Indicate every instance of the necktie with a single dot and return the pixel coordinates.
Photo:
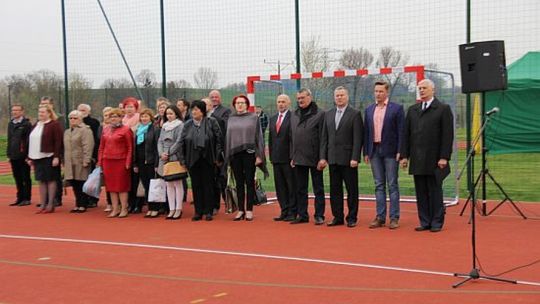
(424, 106)
(278, 124)
(338, 118)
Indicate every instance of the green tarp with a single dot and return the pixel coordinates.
(516, 128)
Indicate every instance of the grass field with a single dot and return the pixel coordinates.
(517, 173)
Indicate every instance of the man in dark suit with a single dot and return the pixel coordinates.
(306, 130)
(94, 124)
(341, 148)
(221, 114)
(280, 157)
(427, 142)
(19, 129)
(382, 137)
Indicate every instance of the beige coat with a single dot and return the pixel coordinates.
(78, 147)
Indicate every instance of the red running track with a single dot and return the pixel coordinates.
(213, 262)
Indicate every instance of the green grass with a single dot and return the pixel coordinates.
(517, 173)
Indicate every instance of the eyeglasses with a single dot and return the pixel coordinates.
(240, 102)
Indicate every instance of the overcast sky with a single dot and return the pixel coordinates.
(235, 37)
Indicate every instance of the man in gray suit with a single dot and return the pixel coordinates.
(341, 148)
(306, 130)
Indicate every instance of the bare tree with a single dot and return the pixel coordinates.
(117, 83)
(146, 78)
(79, 90)
(205, 78)
(315, 58)
(179, 84)
(239, 87)
(354, 59)
(391, 57)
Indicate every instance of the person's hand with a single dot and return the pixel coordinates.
(219, 163)
(29, 162)
(85, 165)
(442, 163)
(127, 167)
(292, 163)
(136, 169)
(164, 156)
(404, 163)
(398, 156)
(366, 160)
(322, 164)
(354, 163)
(258, 161)
(55, 162)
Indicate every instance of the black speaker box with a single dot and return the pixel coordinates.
(483, 66)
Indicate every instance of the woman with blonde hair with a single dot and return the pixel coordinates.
(78, 148)
(115, 157)
(44, 154)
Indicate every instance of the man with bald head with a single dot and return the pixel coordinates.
(280, 157)
(427, 145)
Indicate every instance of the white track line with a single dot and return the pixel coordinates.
(242, 254)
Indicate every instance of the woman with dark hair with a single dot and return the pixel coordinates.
(169, 150)
(244, 150)
(145, 157)
(114, 157)
(78, 150)
(201, 149)
(45, 147)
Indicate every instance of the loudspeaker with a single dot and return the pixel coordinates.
(483, 66)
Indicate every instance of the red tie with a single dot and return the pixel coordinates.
(278, 124)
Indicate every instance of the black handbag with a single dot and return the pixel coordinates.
(231, 197)
(260, 194)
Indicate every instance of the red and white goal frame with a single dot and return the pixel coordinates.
(251, 80)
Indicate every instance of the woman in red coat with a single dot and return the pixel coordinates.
(114, 157)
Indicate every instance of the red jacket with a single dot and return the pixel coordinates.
(52, 138)
(116, 143)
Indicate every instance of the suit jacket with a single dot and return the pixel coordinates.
(17, 139)
(151, 156)
(427, 137)
(222, 114)
(391, 132)
(306, 136)
(341, 146)
(52, 139)
(279, 142)
(116, 143)
(213, 150)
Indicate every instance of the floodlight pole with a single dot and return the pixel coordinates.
(297, 25)
(163, 59)
(66, 78)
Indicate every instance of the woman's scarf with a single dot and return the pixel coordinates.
(141, 132)
(169, 125)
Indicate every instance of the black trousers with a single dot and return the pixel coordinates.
(202, 179)
(146, 173)
(340, 175)
(21, 174)
(81, 198)
(243, 167)
(219, 185)
(133, 200)
(429, 201)
(285, 183)
(302, 178)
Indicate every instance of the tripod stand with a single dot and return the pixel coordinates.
(485, 171)
(474, 274)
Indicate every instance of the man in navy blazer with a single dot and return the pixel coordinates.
(382, 134)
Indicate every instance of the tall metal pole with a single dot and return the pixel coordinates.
(9, 98)
(66, 78)
(163, 66)
(468, 112)
(297, 25)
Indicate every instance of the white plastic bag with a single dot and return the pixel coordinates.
(92, 186)
(156, 191)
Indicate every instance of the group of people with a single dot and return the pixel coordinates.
(133, 146)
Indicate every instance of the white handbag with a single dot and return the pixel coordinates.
(156, 191)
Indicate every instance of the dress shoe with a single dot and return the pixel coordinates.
(108, 208)
(177, 215)
(435, 229)
(289, 218)
(92, 205)
(24, 203)
(123, 214)
(76, 210)
(209, 217)
(279, 218)
(249, 216)
(196, 218)
(335, 222)
(14, 204)
(319, 220)
(215, 212)
(351, 224)
(40, 211)
(239, 216)
(299, 221)
(82, 210)
(421, 228)
(148, 214)
(394, 224)
(376, 223)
